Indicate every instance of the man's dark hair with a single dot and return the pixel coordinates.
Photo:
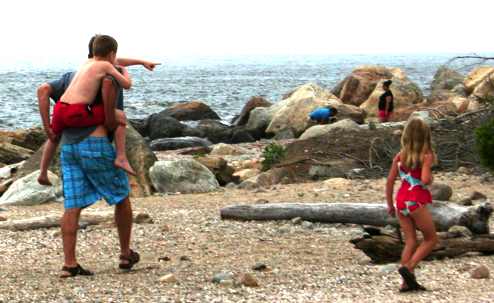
(103, 45)
(90, 47)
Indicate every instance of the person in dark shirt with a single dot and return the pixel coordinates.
(386, 102)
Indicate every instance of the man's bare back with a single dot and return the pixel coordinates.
(87, 81)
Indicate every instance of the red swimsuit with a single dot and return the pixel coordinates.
(76, 115)
(412, 193)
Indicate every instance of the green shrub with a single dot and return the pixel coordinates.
(485, 144)
(272, 154)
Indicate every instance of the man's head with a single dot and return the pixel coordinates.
(104, 46)
(387, 84)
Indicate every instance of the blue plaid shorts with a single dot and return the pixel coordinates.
(88, 174)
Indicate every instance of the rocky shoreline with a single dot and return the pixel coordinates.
(189, 165)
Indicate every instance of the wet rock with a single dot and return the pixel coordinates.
(191, 111)
(441, 191)
(178, 143)
(183, 175)
(480, 272)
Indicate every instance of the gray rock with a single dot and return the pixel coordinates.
(222, 276)
(178, 143)
(459, 231)
(307, 225)
(296, 221)
(284, 134)
(27, 191)
(441, 191)
(193, 110)
(320, 130)
(259, 119)
(183, 175)
(161, 125)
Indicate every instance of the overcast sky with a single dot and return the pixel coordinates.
(59, 30)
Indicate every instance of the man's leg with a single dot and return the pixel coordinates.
(70, 225)
(49, 150)
(123, 219)
(121, 161)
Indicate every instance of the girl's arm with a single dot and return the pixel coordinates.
(426, 175)
(122, 78)
(129, 61)
(390, 183)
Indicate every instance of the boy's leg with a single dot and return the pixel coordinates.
(423, 220)
(49, 150)
(121, 161)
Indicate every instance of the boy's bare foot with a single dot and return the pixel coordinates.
(43, 180)
(125, 165)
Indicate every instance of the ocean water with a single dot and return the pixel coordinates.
(225, 84)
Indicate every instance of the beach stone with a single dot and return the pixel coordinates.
(405, 93)
(222, 276)
(2, 218)
(161, 125)
(182, 175)
(220, 168)
(473, 105)
(178, 143)
(477, 196)
(11, 154)
(307, 225)
(245, 174)
(223, 149)
(441, 191)
(141, 158)
(480, 272)
(253, 103)
(461, 103)
(459, 231)
(260, 267)
(170, 278)
(294, 111)
(191, 111)
(27, 191)
(143, 218)
(321, 130)
(248, 280)
(476, 77)
(296, 221)
(388, 268)
(463, 170)
(259, 119)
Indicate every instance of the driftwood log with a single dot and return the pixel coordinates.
(446, 215)
(385, 247)
(90, 218)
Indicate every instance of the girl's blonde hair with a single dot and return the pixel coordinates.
(416, 141)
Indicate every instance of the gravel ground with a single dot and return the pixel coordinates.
(306, 263)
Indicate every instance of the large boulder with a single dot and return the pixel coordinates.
(445, 79)
(178, 143)
(27, 191)
(161, 125)
(403, 113)
(141, 158)
(485, 89)
(405, 93)
(476, 76)
(183, 175)
(461, 103)
(220, 168)
(191, 111)
(10, 153)
(31, 138)
(320, 130)
(348, 111)
(356, 88)
(259, 119)
(294, 111)
(254, 102)
(213, 130)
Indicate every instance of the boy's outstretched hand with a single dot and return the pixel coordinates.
(150, 65)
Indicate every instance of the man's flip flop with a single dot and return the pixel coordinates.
(132, 259)
(410, 280)
(75, 271)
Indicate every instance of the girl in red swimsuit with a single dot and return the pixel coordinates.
(413, 165)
